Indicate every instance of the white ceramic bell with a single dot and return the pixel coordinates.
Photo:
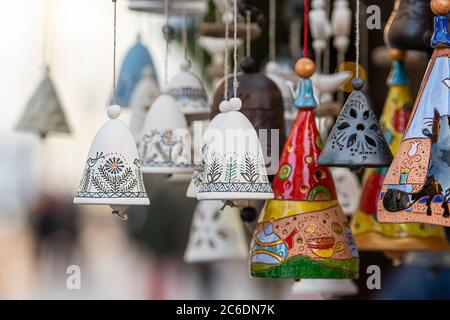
(215, 235)
(192, 190)
(234, 166)
(348, 189)
(188, 91)
(272, 72)
(326, 287)
(142, 98)
(165, 145)
(44, 112)
(112, 174)
(177, 7)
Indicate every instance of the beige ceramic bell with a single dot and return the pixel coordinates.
(165, 145)
(112, 174)
(234, 167)
(142, 98)
(216, 234)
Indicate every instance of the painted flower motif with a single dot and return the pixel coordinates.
(168, 139)
(114, 165)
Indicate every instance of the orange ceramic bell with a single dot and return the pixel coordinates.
(370, 235)
(303, 233)
(417, 185)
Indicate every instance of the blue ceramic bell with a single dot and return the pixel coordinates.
(136, 59)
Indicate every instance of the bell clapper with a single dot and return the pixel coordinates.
(120, 211)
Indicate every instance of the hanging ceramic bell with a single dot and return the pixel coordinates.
(136, 60)
(369, 233)
(262, 102)
(188, 91)
(328, 288)
(112, 174)
(347, 189)
(234, 167)
(177, 7)
(44, 112)
(216, 235)
(410, 26)
(416, 187)
(303, 233)
(165, 145)
(142, 98)
(356, 139)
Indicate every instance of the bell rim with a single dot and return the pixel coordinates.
(112, 201)
(235, 196)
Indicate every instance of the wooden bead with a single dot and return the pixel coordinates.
(397, 54)
(440, 7)
(305, 67)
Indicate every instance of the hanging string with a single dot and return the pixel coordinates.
(248, 34)
(114, 51)
(272, 30)
(226, 64)
(305, 28)
(184, 35)
(357, 35)
(235, 83)
(166, 60)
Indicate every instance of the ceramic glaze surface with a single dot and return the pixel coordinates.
(417, 185)
(369, 233)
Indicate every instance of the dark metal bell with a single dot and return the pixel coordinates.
(410, 26)
(356, 139)
(262, 102)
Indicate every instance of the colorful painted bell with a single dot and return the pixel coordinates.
(165, 144)
(328, 288)
(112, 174)
(44, 112)
(177, 7)
(188, 91)
(273, 74)
(303, 233)
(417, 185)
(369, 234)
(216, 234)
(136, 60)
(142, 98)
(356, 139)
(262, 102)
(234, 166)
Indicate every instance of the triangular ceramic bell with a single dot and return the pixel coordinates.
(216, 235)
(234, 167)
(262, 102)
(273, 74)
(136, 60)
(356, 139)
(303, 233)
(142, 98)
(188, 91)
(165, 145)
(112, 174)
(177, 7)
(370, 235)
(328, 288)
(196, 180)
(44, 112)
(416, 187)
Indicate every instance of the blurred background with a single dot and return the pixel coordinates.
(42, 233)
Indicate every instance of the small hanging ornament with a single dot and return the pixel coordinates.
(137, 59)
(356, 139)
(44, 112)
(164, 145)
(188, 91)
(327, 288)
(370, 235)
(216, 234)
(416, 187)
(177, 7)
(112, 174)
(141, 99)
(303, 233)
